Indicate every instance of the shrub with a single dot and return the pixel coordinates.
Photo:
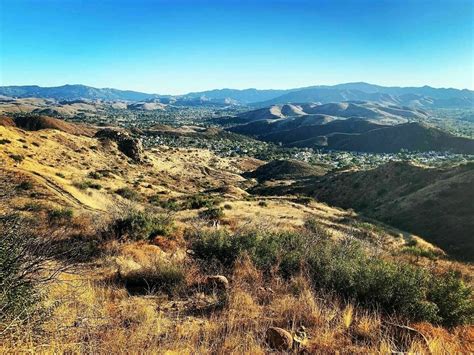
(17, 157)
(32, 207)
(128, 193)
(454, 300)
(159, 276)
(94, 175)
(199, 201)
(304, 200)
(25, 185)
(263, 203)
(213, 213)
(138, 225)
(5, 141)
(82, 185)
(420, 252)
(58, 215)
(346, 268)
(24, 265)
(61, 175)
(170, 204)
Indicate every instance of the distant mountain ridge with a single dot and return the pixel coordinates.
(425, 96)
(74, 92)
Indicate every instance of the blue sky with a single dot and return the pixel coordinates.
(177, 46)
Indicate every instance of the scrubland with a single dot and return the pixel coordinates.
(101, 255)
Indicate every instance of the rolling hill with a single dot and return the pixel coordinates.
(412, 136)
(436, 204)
(353, 126)
(389, 114)
(36, 123)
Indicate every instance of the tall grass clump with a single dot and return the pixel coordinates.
(346, 268)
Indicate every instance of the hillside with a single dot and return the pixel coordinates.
(36, 123)
(434, 203)
(410, 136)
(361, 126)
(173, 254)
(385, 114)
(269, 113)
(285, 170)
(299, 129)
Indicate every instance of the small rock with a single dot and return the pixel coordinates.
(279, 339)
(218, 282)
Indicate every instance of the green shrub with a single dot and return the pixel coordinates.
(61, 175)
(453, 298)
(25, 185)
(160, 276)
(138, 225)
(128, 193)
(345, 268)
(83, 185)
(199, 201)
(212, 213)
(420, 252)
(60, 215)
(94, 175)
(17, 157)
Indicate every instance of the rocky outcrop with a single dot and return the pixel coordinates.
(128, 145)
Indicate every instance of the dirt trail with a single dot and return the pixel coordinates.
(60, 192)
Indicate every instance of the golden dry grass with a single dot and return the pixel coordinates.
(87, 312)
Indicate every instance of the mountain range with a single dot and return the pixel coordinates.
(425, 96)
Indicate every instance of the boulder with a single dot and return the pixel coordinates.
(128, 145)
(279, 339)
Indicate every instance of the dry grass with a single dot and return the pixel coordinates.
(89, 312)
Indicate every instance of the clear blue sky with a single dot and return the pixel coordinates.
(177, 46)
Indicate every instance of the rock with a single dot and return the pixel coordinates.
(218, 282)
(131, 147)
(279, 339)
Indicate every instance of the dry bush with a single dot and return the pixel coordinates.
(27, 263)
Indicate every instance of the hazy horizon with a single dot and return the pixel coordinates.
(227, 88)
(177, 47)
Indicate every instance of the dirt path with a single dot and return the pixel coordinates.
(60, 192)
